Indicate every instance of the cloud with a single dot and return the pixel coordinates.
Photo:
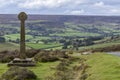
(99, 4)
(104, 8)
(114, 11)
(75, 12)
(4, 2)
(35, 4)
(74, 7)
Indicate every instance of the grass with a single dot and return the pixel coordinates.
(76, 34)
(42, 38)
(9, 26)
(42, 70)
(3, 68)
(103, 66)
(102, 45)
(16, 36)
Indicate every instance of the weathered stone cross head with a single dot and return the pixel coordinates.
(22, 17)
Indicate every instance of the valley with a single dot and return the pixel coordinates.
(60, 31)
(65, 47)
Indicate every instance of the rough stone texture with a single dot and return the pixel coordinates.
(22, 17)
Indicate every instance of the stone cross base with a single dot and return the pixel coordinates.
(28, 62)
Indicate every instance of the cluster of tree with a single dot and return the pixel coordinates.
(115, 37)
(77, 43)
(89, 28)
(18, 40)
(2, 40)
(48, 41)
(96, 38)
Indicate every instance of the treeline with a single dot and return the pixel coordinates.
(2, 40)
(76, 43)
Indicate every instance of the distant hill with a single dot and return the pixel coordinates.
(6, 18)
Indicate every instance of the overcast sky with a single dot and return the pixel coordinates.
(61, 7)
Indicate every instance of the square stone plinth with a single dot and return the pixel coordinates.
(28, 62)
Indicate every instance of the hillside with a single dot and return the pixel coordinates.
(8, 46)
(6, 18)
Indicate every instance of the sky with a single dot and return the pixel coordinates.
(61, 7)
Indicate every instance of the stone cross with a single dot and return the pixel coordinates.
(22, 17)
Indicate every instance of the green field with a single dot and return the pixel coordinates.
(39, 38)
(16, 36)
(76, 34)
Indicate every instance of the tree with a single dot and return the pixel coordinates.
(2, 39)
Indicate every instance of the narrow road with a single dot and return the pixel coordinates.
(114, 53)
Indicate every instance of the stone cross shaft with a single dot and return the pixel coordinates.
(22, 17)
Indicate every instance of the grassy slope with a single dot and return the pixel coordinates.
(42, 70)
(43, 46)
(8, 46)
(3, 68)
(103, 67)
